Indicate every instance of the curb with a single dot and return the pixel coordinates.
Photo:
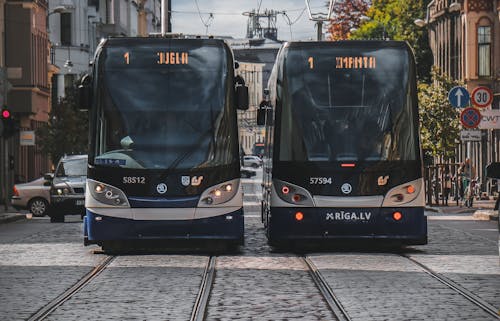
(12, 218)
(486, 215)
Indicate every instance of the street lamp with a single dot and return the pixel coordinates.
(455, 7)
(320, 17)
(57, 9)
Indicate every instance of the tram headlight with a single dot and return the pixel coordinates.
(219, 194)
(293, 194)
(107, 194)
(403, 193)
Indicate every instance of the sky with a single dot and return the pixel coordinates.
(228, 18)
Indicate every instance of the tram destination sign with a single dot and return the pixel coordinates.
(470, 135)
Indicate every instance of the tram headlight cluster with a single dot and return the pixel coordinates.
(293, 194)
(107, 194)
(402, 194)
(219, 194)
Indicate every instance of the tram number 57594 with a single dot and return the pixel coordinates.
(320, 180)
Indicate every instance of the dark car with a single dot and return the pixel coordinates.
(67, 193)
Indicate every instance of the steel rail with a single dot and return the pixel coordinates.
(201, 303)
(457, 288)
(66, 295)
(327, 293)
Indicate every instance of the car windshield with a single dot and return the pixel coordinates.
(74, 167)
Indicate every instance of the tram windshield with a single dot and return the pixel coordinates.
(165, 105)
(348, 104)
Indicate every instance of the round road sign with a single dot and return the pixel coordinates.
(470, 117)
(482, 96)
(458, 97)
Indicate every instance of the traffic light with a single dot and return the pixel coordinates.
(9, 124)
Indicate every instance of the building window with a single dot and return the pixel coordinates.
(66, 29)
(484, 50)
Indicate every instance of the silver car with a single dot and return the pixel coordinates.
(252, 161)
(67, 194)
(33, 196)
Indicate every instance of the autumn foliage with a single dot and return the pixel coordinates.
(346, 16)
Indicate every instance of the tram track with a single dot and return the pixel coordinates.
(331, 299)
(201, 303)
(476, 300)
(66, 295)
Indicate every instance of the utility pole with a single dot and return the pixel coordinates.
(166, 8)
(320, 17)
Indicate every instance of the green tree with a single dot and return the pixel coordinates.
(394, 19)
(67, 129)
(439, 121)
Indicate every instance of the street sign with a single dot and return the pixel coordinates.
(458, 97)
(27, 138)
(470, 117)
(470, 135)
(482, 96)
(490, 119)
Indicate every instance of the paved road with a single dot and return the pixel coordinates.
(40, 260)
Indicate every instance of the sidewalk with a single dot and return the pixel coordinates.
(10, 215)
(481, 209)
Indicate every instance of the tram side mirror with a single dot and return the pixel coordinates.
(85, 93)
(493, 170)
(241, 92)
(242, 97)
(261, 116)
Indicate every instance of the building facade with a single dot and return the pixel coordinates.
(45, 47)
(26, 54)
(464, 37)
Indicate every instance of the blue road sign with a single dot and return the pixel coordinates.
(458, 97)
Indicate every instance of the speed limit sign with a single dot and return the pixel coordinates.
(482, 96)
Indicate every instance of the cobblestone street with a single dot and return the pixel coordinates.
(40, 260)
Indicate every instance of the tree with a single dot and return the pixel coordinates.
(67, 129)
(394, 19)
(439, 121)
(346, 16)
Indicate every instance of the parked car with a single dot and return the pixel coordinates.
(67, 191)
(247, 173)
(252, 161)
(33, 196)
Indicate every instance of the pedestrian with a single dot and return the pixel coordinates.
(447, 184)
(468, 174)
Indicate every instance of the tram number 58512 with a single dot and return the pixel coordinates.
(320, 180)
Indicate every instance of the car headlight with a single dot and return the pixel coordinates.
(219, 194)
(59, 191)
(107, 194)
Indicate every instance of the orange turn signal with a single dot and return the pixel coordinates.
(397, 216)
(299, 216)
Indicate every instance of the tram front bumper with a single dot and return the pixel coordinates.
(99, 228)
(348, 223)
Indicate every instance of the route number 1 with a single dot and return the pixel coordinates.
(311, 62)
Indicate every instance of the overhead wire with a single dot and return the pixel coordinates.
(209, 20)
